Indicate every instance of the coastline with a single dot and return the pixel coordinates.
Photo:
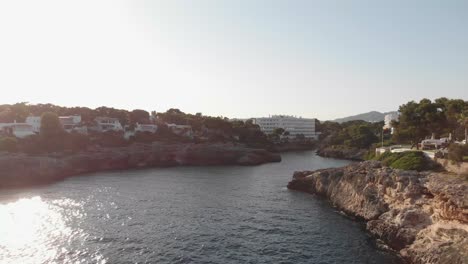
(292, 146)
(353, 154)
(21, 170)
(421, 216)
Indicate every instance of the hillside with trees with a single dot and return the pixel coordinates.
(417, 121)
(353, 134)
(53, 138)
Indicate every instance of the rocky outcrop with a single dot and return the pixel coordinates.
(342, 153)
(23, 170)
(422, 216)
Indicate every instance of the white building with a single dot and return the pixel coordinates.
(146, 128)
(104, 124)
(19, 130)
(294, 125)
(389, 119)
(69, 123)
(73, 124)
(35, 122)
(181, 130)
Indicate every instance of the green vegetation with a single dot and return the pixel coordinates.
(458, 153)
(52, 138)
(352, 134)
(50, 125)
(8, 144)
(413, 160)
(139, 116)
(217, 129)
(417, 121)
(441, 117)
(277, 133)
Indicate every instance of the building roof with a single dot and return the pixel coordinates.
(285, 116)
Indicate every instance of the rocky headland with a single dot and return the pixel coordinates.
(19, 170)
(423, 216)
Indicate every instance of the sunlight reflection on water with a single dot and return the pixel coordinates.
(34, 231)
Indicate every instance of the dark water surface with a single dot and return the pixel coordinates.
(182, 215)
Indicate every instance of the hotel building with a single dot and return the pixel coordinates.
(294, 125)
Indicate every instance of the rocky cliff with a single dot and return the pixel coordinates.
(422, 216)
(23, 170)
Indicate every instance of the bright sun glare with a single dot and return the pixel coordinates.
(35, 231)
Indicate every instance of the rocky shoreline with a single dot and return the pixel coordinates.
(292, 146)
(422, 216)
(342, 153)
(20, 170)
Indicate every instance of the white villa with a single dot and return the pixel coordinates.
(73, 123)
(146, 128)
(294, 125)
(35, 122)
(389, 119)
(104, 124)
(69, 123)
(181, 130)
(19, 130)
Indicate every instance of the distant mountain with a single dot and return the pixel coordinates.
(372, 116)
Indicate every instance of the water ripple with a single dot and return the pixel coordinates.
(182, 215)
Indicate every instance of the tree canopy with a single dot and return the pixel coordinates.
(139, 116)
(419, 120)
(355, 134)
(50, 125)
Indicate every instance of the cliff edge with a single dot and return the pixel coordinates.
(422, 216)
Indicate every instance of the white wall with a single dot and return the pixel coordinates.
(295, 126)
(35, 122)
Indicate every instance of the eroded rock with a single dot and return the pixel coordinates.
(423, 216)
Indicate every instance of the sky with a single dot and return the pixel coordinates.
(243, 58)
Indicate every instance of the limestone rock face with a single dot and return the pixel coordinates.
(23, 170)
(423, 216)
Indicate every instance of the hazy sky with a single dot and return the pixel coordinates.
(239, 58)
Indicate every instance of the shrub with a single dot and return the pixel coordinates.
(144, 137)
(50, 126)
(411, 160)
(388, 158)
(31, 145)
(110, 139)
(8, 144)
(65, 142)
(75, 142)
(457, 152)
(370, 155)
